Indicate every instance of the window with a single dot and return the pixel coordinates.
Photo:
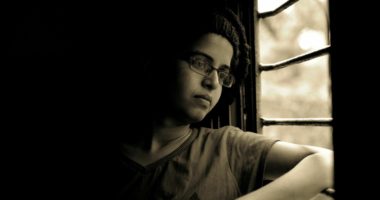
(293, 90)
(298, 94)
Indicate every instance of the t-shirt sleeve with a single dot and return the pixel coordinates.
(246, 152)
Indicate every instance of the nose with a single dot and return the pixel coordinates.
(211, 81)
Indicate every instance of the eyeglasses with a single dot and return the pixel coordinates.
(202, 66)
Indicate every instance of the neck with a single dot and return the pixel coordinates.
(162, 142)
(166, 134)
(169, 128)
(163, 134)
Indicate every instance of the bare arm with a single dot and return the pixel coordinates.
(301, 171)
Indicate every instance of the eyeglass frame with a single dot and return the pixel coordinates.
(191, 60)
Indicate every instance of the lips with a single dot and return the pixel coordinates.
(205, 97)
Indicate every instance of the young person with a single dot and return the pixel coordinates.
(194, 58)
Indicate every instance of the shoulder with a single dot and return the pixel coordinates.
(220, 132)
(231, 134)
(215, 135)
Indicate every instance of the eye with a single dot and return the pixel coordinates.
(225, 76)
(224, 70)
(200, 64)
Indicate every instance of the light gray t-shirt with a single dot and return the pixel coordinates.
(222, 163)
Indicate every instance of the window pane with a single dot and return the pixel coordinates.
(302, 90)
(268, 5)
(311, 135)
(300, 28)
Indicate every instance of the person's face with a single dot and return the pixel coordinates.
(194, 95)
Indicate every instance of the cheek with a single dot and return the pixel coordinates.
(184, 82)
(187, 79)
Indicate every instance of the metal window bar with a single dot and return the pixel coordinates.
(297, 121)
(295, 60)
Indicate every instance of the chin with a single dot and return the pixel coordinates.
(197, 117)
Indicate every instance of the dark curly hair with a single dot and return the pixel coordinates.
(229, 26)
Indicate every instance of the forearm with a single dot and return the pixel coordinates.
(308, 178)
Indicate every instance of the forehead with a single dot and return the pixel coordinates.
(215, 46)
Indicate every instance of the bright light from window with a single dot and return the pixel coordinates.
(311, 39)
(268, 5)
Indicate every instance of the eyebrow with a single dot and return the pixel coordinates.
(208, 57)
